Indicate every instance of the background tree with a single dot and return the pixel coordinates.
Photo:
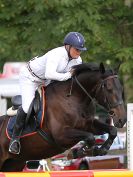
(30, 28)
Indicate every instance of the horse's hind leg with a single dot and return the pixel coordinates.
(1, 164)
(11, 165)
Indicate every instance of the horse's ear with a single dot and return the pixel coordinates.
(116, 69)
(102, 68)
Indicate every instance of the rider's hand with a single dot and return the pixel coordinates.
(72, 71)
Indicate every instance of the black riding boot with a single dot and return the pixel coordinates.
(14, 146)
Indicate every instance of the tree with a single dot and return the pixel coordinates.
(30, 28)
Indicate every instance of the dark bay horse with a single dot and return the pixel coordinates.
(69, 116)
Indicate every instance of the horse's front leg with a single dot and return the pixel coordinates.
(74, 136)
(97, 127)
(111, 130)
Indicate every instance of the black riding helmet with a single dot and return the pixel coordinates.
(75, 40)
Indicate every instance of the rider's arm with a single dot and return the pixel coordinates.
(51, 69)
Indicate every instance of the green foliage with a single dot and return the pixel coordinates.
(31, 27)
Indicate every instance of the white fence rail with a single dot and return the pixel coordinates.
(130, 136)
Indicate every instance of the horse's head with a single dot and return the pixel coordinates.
(109, 94)
(105, 87)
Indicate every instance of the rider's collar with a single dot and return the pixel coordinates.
(68, 47)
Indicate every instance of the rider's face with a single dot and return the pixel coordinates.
(74, 53)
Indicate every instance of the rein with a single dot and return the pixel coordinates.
(93, 100)
(85, 91)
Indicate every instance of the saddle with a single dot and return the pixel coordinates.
(17, 102)
(35, 115)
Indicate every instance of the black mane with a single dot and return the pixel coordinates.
(92, 67)
(85, 66)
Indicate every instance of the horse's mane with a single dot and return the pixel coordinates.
(93, 67)
(85, 66)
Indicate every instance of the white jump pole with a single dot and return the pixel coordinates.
(130, 136)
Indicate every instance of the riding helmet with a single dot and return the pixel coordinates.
(76, 40)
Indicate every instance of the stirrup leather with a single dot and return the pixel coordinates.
(11, 144)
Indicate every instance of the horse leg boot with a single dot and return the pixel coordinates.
(14, 146)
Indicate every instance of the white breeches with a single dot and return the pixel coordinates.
(28, 86)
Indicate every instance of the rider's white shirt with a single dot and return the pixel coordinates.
(54, 65)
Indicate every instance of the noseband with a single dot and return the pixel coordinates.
(101, 85)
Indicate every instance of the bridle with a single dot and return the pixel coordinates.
(96, 89)
(102, 85)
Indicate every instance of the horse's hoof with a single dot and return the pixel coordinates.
(98, 151)
(75, 154)
(95, 151)
(102, 151)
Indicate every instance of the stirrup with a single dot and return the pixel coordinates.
(11, 145)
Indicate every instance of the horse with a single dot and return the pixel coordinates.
(69, 116)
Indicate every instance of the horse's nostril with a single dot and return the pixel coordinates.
(111, 114)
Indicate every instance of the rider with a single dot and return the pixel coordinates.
(54, 65)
